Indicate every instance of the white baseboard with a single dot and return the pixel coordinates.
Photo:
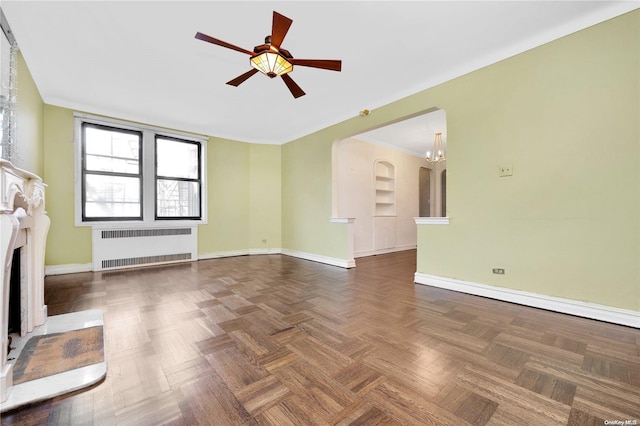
(384, 251)
(265, 251)
(566, 306)
(86, 267)
(364, 253)
(218, 254)
(67, 269)
(243, 252)
(351, 263)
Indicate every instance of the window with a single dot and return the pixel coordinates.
(111, 173)
(177, 178)
(8, 87)
(130, 173)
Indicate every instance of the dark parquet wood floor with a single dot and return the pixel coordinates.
(275, 340)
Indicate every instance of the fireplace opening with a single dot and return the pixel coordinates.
(14, 294)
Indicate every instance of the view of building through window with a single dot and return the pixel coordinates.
(120, 168)
(177, 178)
(112, 173)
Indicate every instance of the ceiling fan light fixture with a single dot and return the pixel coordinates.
(272, 60)
(271, 64)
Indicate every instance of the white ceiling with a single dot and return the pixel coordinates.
(140, 61)
(414, 136)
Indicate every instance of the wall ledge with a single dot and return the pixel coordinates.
(595, 311)
(342, 219)
(431, 220)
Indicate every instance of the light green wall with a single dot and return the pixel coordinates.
(306, 198)
(244, 199)
(228, 197)
(29, 122)
(265, 200)
(567, 223)
(66, 243)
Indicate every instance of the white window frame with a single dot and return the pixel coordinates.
(148, 174)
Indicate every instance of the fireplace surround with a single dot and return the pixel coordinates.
(23, 225)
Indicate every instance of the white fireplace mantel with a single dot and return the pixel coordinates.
(24, 225)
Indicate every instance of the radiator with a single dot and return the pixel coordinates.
(121, 248)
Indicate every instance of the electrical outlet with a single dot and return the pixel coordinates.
(499, 271)
(264, 241)
(506, 170)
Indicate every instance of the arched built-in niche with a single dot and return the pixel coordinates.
(384, 221)
(385, 188)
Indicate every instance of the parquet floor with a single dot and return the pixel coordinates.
(274, 340)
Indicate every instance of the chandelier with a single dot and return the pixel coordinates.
(438, 150)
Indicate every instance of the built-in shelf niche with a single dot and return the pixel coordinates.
(385, 189)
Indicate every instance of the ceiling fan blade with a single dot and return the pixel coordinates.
(279, 29)
(325, 64)
(242, 78)
(295, 90)
(210, 39)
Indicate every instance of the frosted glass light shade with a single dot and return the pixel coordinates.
(271, 64)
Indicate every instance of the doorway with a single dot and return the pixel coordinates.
(424, 189)
(443, 193)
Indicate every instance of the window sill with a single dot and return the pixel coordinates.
(165, 223)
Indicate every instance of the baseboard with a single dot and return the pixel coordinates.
(351, 263)
(87, 267)
(219, 254)
(566, 306)
(254, 251)
(364, 253)
(384, 251)
(67, 269)
(243, 252)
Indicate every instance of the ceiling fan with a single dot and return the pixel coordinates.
(271, 60)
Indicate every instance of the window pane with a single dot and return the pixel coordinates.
(110, 164)
(110, 150)
(177, 198)
(112, 196)
(177, 159)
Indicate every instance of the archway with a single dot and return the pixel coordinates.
(357, 192)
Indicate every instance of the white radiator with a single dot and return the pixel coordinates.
(121, 248)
